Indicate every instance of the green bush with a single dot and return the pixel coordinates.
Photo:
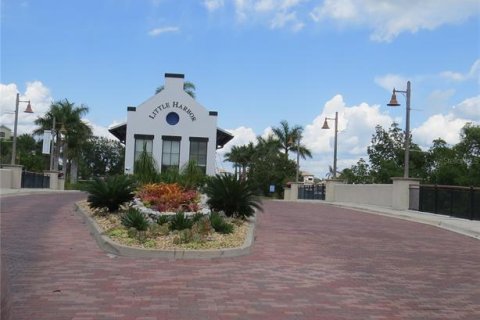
(234, 197)
(134, 219)
(155, 230)
(111, 192)
(219, 224)
(145, 168)
(202, 227)
(180, 222)
(184, 236)
(162, 219)
(197, 217)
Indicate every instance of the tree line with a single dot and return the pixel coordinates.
(443, 164)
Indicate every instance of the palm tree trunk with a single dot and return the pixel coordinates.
(73, 171)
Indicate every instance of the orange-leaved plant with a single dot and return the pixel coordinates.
(168, 197)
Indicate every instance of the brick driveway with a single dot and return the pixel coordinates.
(309, 261)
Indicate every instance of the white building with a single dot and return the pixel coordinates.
(174, 128)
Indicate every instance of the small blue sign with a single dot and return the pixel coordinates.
(272, 188)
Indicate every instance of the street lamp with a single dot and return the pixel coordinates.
(325, 126)
(27, 110)
(394, 103)
(58, 136)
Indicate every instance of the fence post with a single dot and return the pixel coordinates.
(435, 197)
(401, 192)
(472, 203)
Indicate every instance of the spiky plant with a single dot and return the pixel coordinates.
(110, 192)
(180, 222)
(219, 224)
(134, 219)
(236, 198)
(145, 168)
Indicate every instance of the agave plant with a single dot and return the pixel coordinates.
(134, 219)
(110, 193)
(236, 198)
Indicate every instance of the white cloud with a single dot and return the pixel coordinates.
(391, 81)
(473, 73)
(437, 126)
(158, 31)
(388, 19)
(213, 5)
(40, 100)
(99, 130)
(241, 136)
(356, 125)
(282, 19)
(468, 108)
(280, 14)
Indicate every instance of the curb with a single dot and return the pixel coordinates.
(439, 223)
(108, 245)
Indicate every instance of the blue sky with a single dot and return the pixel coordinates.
(255, 62)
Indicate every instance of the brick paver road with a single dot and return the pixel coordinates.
(309, 261)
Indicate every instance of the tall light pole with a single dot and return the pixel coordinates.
(15, 124)
(298, 157)
(394, 103)
(325, 126)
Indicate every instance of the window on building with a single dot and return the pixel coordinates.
(143, 142)
(2, 134)
(170, 152)
(198, 152)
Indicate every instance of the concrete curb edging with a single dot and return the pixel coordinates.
(438, 221)
(106, 244)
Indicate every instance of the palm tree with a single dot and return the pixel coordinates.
(69, 117)
(289, 139)
(188, 87)
(241, 156)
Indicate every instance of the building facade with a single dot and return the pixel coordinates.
(174, 128)
(5, 133)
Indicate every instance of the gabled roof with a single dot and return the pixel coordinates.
(120, 132)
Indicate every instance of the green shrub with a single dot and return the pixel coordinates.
(234, 197)
(184, 236)
(202, 227)
(111, 192)
(145, 168)
(219, 224)
(162, 219)
(197, 217)
(155, 230)
(134, 219)
(180, 222)
(191, 176)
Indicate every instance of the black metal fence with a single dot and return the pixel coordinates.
(35, 180)
(460, 202)
(311, 192)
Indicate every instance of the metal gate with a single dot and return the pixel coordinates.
(460, 202)
(35, 180)
(311, 192)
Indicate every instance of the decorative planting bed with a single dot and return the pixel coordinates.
(160, 241)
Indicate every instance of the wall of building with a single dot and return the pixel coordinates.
(149, 118)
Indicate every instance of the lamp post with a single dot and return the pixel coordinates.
(15, 124)
(394, 103)
(54, 146)
(298, 157)
(325, 126)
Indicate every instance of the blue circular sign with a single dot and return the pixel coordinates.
(172, 118)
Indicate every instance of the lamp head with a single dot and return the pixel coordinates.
(29, 108)
(393, 101)
(325, 124)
